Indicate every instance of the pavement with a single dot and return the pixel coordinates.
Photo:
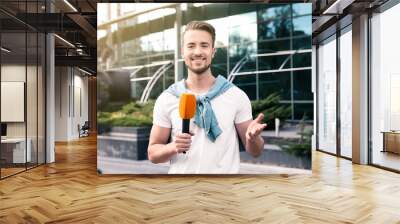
(123, 166)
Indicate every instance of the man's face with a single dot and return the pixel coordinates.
(197, 50)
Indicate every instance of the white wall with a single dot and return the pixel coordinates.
(12, 100)
(33, 126)
(81, 83)
(71, 87)
(61, 103)
(12, 73)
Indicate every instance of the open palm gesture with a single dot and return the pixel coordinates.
(255, 128)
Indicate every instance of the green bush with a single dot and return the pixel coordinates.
(111, 106)
(303, 147)
(134, 107)
(136, 114)
(271, 108)
(147, 109)
(103, 117)
(131, 121)
(299, 150)
(130, 108)
(132, 114)
(103, 122)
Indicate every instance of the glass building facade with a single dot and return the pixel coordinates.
(269, 43)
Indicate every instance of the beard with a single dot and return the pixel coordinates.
(199, 71)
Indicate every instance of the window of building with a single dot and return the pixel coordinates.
(327, 95)
(346, 92)
(385, 89)
(274, 11)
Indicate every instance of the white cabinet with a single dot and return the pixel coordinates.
(18, 149)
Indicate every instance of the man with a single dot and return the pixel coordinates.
(223, 112)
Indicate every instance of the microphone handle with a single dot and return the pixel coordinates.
(185, 127)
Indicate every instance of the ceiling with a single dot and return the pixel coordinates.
(74, 22)
(330, 14)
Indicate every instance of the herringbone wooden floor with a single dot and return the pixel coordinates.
(70, 191)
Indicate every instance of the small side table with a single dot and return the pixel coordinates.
(391, 141)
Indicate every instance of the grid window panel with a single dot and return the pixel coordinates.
(275, 83)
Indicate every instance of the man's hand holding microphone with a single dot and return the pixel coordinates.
(187, 110)
(182, 142)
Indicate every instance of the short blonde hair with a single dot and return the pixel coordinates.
(200, 25)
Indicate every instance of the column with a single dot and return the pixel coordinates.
(360, 89)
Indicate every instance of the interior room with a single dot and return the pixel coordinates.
(46, 82)
(22, 98)
(337, 49)
(50, 91)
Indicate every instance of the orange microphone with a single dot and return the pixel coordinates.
(187, 109)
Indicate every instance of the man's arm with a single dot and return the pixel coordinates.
(249, 132)
(159, 151)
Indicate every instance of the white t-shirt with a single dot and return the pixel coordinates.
(205, 156)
